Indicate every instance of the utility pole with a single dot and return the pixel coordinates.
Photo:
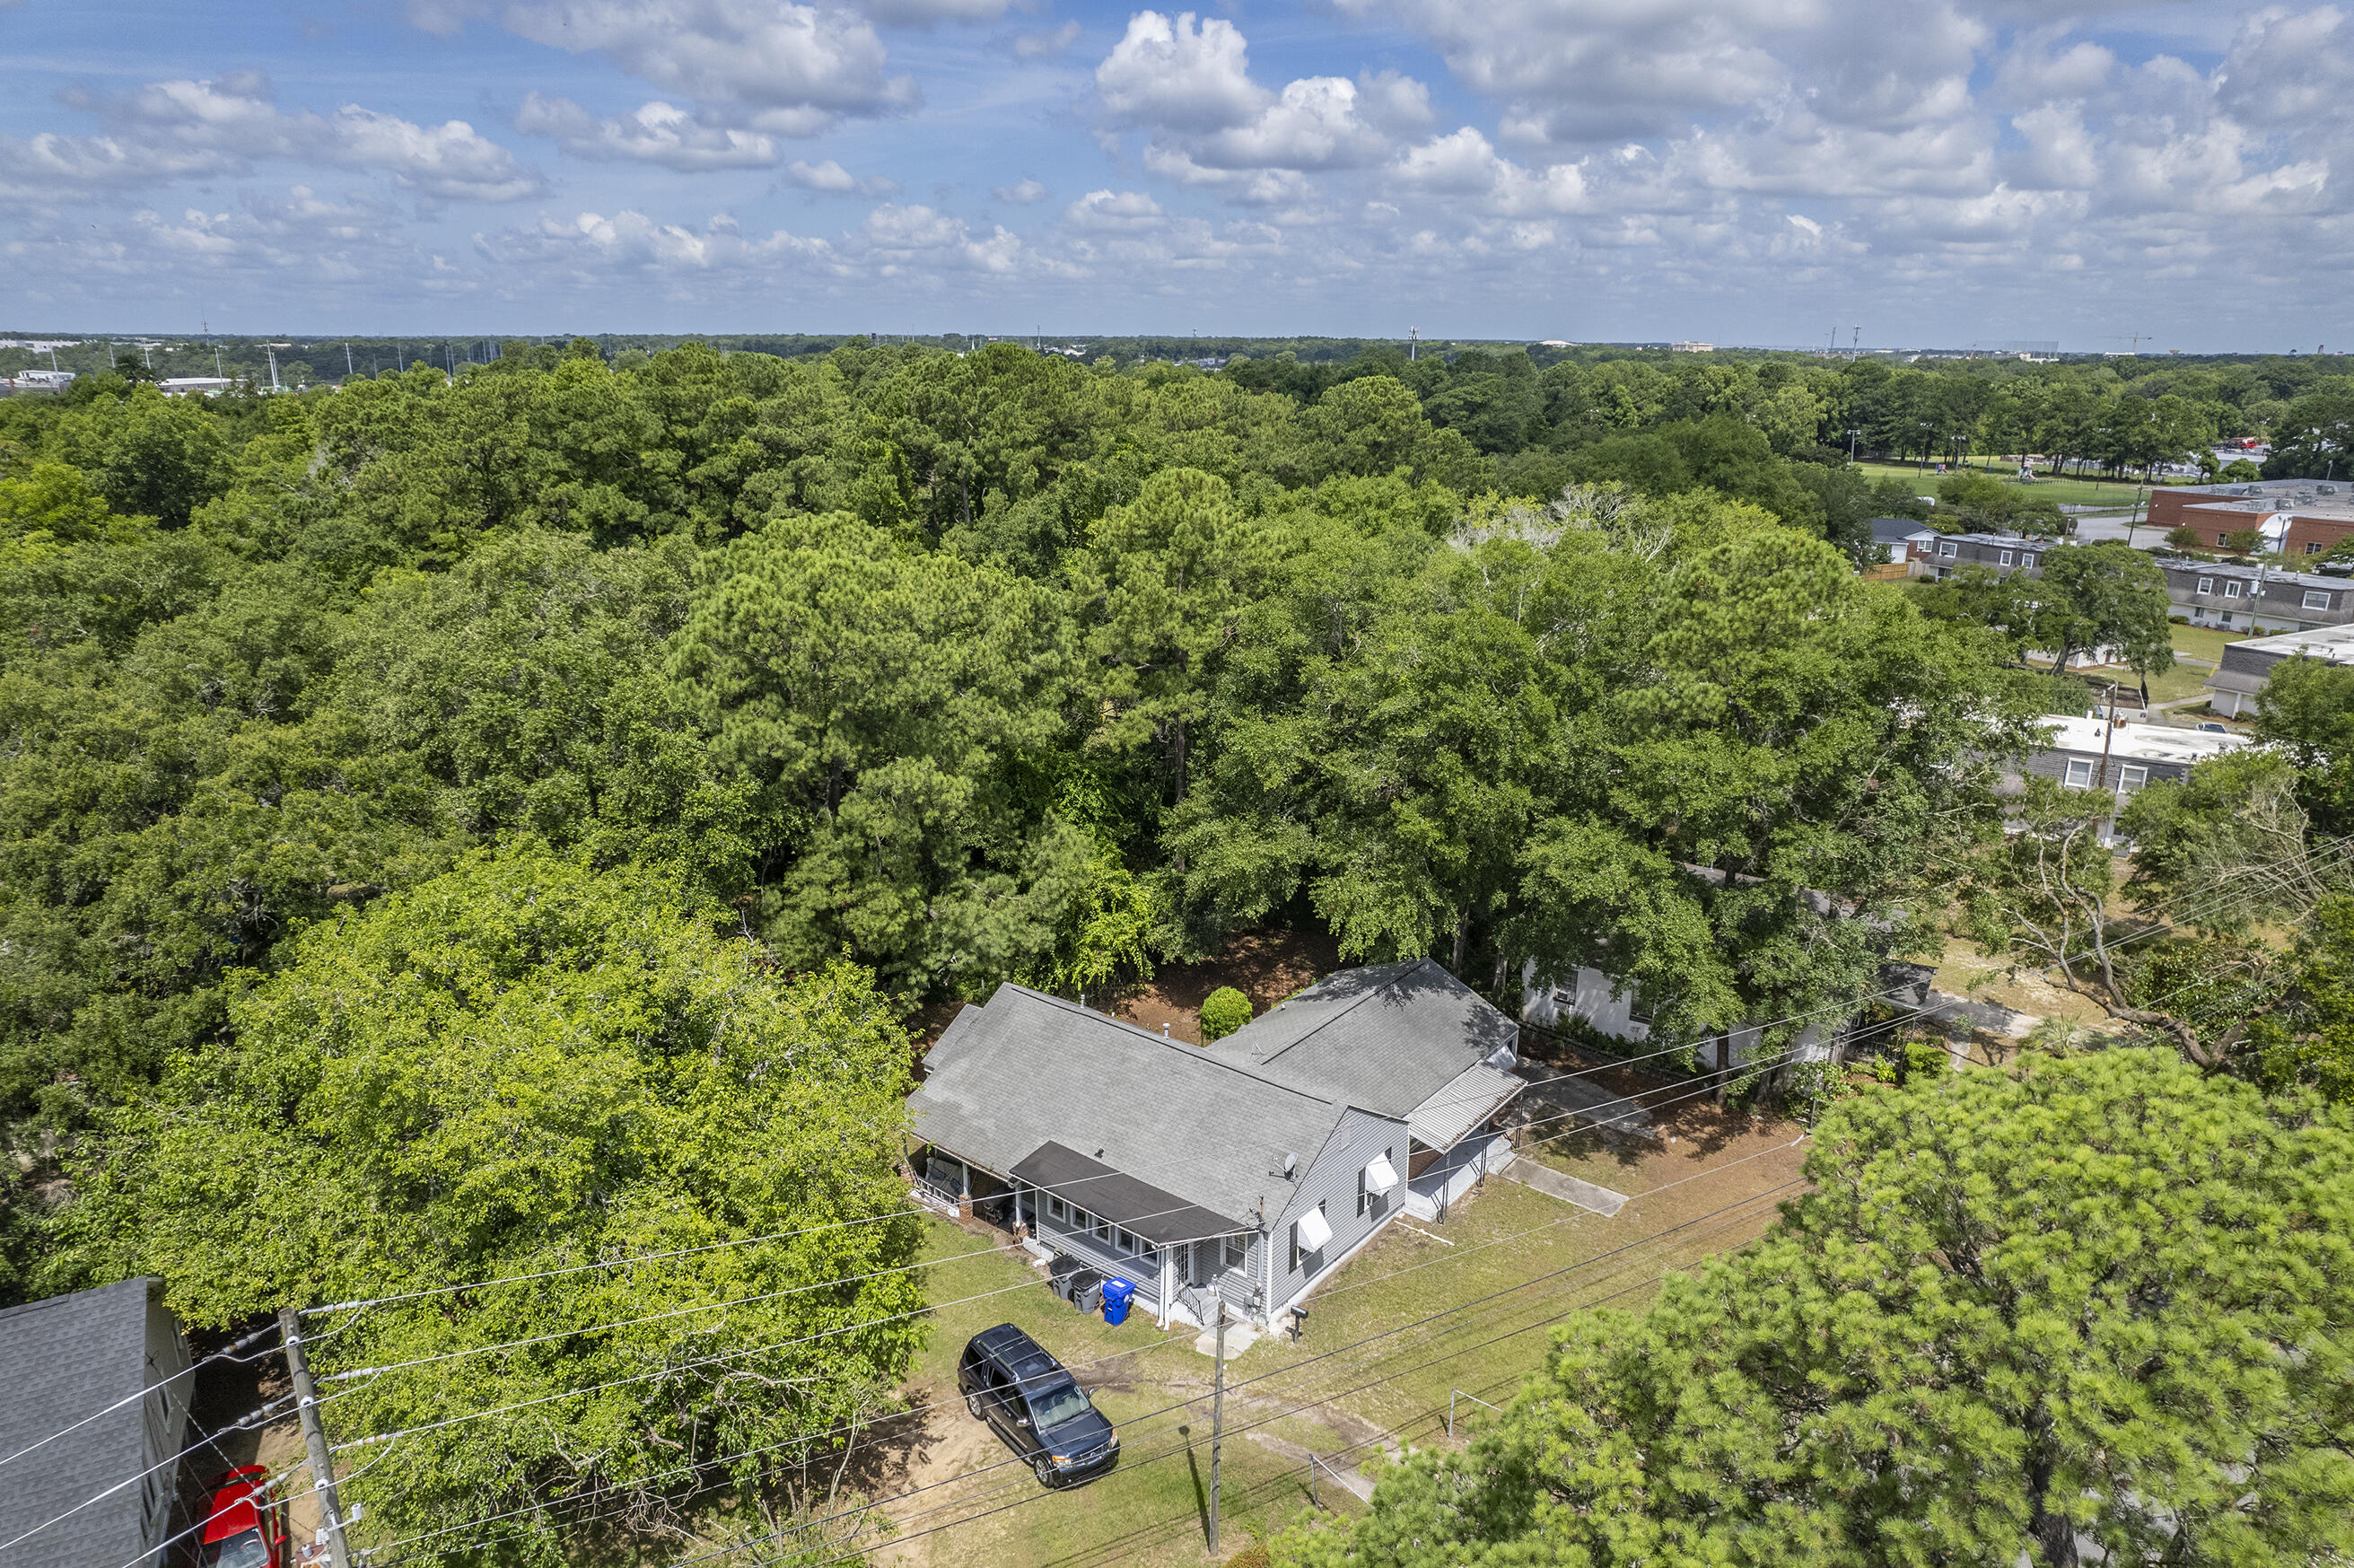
(273, 370)
(1854, 343)
(348, 371)
(315, 1434)
(1217, 1408)
(1413, 342)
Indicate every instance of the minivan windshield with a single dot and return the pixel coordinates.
(1057, 1403)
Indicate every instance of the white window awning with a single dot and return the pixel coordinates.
(1314, 1231)
(1381, 1175)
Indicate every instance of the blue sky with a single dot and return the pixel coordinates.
(1744, 171)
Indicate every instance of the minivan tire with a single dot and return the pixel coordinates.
(973, 1403)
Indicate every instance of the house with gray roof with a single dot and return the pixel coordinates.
(2255, 596)
(2246, 668)
(1253, 1166)
(102, 1375)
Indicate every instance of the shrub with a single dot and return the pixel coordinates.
(1223, 1011)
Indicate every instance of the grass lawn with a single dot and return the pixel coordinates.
(2205, 643)
(1420, 1313)
(2068, 490)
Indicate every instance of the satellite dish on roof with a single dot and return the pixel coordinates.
(1290, 1163)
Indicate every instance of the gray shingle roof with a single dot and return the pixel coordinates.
(60, 1359)
(1384, 1038)
(1030, 1069)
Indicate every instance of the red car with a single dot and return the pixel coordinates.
(247, 1527)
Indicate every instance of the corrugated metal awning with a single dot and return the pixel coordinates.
(1468, 1098)
(1161, 1218)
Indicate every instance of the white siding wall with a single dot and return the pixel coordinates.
(1586, 994)
(1588, 997)
(1330, 1178)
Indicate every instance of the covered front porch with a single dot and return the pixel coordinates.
(1061, 1203)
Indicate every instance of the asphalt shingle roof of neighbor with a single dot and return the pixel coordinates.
(1384, 1038)
(60, 1359)
(1030, 1069)
(1891, 530)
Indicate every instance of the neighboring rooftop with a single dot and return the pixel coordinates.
(1385, 1038)
(2139, 742)
(2248, 573)
(2331, 644)
(61, 1360)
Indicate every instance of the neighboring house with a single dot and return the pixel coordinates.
(1611, 1007)
(1257, 1164)
(69, 1357)
(2118, 756)
(2261, 597)
(1901, 541)
(2001, 554)
(2247, 665)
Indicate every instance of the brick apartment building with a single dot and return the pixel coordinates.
(2299, 516)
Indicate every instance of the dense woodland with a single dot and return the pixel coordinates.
(448, 826)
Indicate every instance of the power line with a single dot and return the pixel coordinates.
(1281, 1414)
(935, 1404)
(2339, 847)
(1278, 1372)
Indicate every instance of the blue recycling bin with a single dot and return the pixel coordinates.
(1116, 1293)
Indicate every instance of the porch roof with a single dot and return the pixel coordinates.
(1474, 1094)
(1159, 1217)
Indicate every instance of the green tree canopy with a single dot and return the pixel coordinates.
(2101, 1300)
(525, 1066)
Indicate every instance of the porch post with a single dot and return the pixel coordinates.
(1167, 1273)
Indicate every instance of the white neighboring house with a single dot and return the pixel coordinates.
(1256, 1165)
(1610, 1007)
(2247, 665)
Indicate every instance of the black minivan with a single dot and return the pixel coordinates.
(1009, 1381)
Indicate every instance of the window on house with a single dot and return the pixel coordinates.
(1128, 1244)
(1238, 1251)
(2206, 585)
(2003, 559)
(1102, 1227)
(1946, 550)
(2080, 773)
(2317, 598)
(2232, 590)
(2222, 538)
(2027, 562)
(1639, 1010)
(1056, 1209)
(2313, 548)
(1311, 1233)
(2131, 777)
(1361, 1195)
